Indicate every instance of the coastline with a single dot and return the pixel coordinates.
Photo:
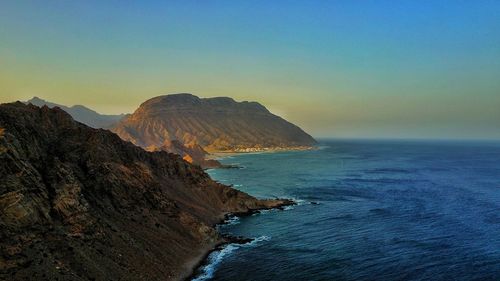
(225, 153)
(192, 267)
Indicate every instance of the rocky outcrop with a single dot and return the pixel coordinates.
(78, 203)
(82, 114)
(192, 153)
(215, 124)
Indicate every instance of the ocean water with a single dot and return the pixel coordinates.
(368, 210)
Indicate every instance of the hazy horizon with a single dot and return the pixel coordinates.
(385, 69)
(329, 137)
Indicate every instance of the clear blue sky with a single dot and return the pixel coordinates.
(349, 68)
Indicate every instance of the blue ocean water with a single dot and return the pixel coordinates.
(386, 210)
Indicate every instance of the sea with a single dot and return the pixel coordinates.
(366, 210)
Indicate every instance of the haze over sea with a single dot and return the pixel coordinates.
(387, 210)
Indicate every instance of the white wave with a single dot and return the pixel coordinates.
(215, 258)
(232, 220)
(262, 212)
(298, 201)
(256, 240)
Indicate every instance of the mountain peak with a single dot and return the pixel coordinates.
(40, 102)
(36, 99)
(171, 100)
(190, 102)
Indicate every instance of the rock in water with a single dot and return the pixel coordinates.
(78, 203)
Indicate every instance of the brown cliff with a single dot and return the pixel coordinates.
(215, 124)
(78, 203)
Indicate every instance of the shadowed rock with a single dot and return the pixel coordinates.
(78, 203)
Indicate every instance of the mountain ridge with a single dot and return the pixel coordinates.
(79, 203)
(194, 127)
(82, 113)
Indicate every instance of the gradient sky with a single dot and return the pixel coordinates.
(405, 69)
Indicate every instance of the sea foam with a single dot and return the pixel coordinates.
(216, 257)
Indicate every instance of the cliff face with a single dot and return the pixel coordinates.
(82, 114)
(216, 124)
(78, 203)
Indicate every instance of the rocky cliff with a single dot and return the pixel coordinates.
(215, 124)
(78, 203)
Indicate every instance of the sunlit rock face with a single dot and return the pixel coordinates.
(215, 124)
(78, 203)
(192, 153)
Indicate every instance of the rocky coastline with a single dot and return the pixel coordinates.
(226, 239)
(78, 203)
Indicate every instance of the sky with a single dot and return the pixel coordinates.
(350, 69)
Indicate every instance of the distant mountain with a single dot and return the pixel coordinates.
(78, 203)
(215, 124)
(82, 114)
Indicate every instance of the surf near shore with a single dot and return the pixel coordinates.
(203, 267)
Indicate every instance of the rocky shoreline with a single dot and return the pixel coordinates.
(226, 239)
(78, 203)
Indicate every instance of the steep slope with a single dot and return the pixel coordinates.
(78, 203)
(216, 124)
(191, 153)
(82, 114)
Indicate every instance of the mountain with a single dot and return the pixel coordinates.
(82, 114)
(215, 124)
(78, 203)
